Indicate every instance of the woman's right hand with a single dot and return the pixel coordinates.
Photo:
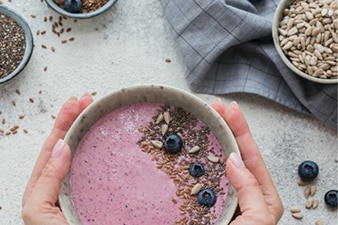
(259, 201)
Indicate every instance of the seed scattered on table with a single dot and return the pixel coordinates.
(295, 209)
(319, 222)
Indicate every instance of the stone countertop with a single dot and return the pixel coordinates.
(131, 44)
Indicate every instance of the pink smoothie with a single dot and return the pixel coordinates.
(118, 177)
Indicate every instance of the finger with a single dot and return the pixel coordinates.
(48, 185)
(218, 106)
(250, 196)
(84, 101)
(46, 190)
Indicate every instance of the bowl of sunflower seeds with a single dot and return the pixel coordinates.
(305, 34)
(16, 44)
(80, 9)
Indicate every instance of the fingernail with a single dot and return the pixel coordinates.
(235, 159)
(234, 103)
(58, 147)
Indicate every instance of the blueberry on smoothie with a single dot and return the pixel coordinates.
(206, 197)
(308, 170)
(173, 143)
(331, 198)
(73, 6)
(196, 170)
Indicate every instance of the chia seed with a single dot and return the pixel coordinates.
(12, 45)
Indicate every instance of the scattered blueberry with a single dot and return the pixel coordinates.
(331, 198)
(73, 6)
(196, 170)
(206, 197)
(308, 170)
(173, 143)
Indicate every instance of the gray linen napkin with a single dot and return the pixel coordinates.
(227, 47)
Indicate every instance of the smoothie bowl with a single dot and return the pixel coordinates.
(149, 155)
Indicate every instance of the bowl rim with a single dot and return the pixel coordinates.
(64, 197)
(28, 42)
(275, 36)
(88, 15)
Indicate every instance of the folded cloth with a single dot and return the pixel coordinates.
(227, 47)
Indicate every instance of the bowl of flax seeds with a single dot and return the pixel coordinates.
(305, 35)
(89, 9)
(16, 44)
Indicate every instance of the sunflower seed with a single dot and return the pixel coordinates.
(295, 209)
(298, 215)
(196, 189)
(166, 117)
(194, 149)
(157, 144)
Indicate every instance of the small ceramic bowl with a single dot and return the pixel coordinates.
(61, 11)
(28, 41)
(283, 4)
(152, 94)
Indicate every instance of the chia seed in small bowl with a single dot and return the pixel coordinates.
(80, 9)
(16, 44)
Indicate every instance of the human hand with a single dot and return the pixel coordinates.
(39, 200)
(258, 199)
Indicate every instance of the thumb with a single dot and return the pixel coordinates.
(250, 196)
(47, 187)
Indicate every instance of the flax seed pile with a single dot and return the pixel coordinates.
(87, 5)
(177, 165)
(12, 45)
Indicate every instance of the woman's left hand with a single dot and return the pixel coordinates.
(39, 203)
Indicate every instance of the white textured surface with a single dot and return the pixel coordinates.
(128, 45)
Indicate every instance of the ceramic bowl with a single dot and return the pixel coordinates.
(28, 39)
(275, 34)
(61, 11)
(154, 94)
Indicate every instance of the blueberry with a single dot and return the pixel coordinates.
(206, 197)
(73, 6)
(196, 170)
(173, 143)
(308, 170)
(331, 198)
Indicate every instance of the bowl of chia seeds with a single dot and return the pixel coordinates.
(80, 9)
(16, 44)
